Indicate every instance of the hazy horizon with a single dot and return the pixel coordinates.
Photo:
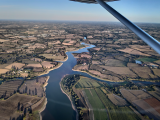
(143, 11)
(73, 21)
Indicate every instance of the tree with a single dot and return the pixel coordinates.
(22, 107)
(26, 89)
(35, 91)
(18, 107)
(29, 91)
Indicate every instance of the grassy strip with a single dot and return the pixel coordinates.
(115, 112)
(98, 107)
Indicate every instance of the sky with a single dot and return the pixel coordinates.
(147, 11)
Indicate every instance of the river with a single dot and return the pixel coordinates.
(58, 105)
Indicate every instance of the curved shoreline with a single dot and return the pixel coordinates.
(43, 108)
(73, 106)
(61, 63)
(45, 102)
(97, 77)
(56, 67)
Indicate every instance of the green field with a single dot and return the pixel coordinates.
(107, 103)
(86, 83)
(98, 107)
(122, 113)
(146, 59)
(115, 112)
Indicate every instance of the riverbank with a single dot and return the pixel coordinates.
(59, 79)
(72, 103)
(47, 71)
(97, 77)
(45, 100)
(154, 81)
(43, 108)
(46, 83)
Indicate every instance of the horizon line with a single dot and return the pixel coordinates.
(71, 21)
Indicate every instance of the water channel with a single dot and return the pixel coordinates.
(58, 105)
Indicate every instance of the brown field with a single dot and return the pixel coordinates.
(115, 46)
(76, 55)
(132, 95)
(156, 72)
(120, 70)
(113, 62)
(54, 42)
(69, 36)
(8, 88)
(117, 100)
(145, 103)
(143, 72)
(96, 62)
(33, 87)
(86, 55)
(68, 42)
(2, 66)
(144, 108)
(122, 41)
(26, 44)
(37, 69)
(24, 74)
(17, 65)
(81, 67)
(141, 48)
(132, 65)
(70, 49)
(36, 59)
(103, 76)
(122, 58)
(3, 71)
(48, 51)
(47, 64)
(9, 107)
(30, 61)
(95, 41)
(29, 51)
(2, 40)
(34, 65)
(97, 73)
(156, 94)
(134, 52)
(153, 103)
(95, 48)
(37, 45)
(54, 56)
(158, 62)
(10, 50)
(89, 37)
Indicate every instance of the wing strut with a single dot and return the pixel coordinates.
(153, 43)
